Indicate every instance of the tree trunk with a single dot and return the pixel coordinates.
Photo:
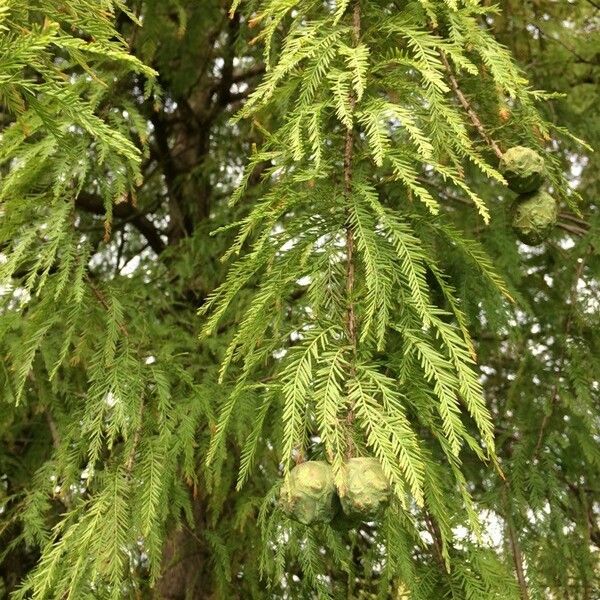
(185, 570)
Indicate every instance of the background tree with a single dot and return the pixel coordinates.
(369, 262)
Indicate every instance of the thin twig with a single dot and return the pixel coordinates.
(468, 108)
(574, 229)
(438, 542)
(580, 59)
(442, 191)
(136, 440)
(574, 219)
(53, 429)
(350, 266)
(515, 548)
(100, 297)
(120, 251)
(348, 157)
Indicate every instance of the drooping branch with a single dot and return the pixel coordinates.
(348, 157)
(555, 394)
(350, 266)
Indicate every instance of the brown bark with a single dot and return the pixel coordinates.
(185, 566)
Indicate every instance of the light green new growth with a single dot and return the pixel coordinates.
(372, 361)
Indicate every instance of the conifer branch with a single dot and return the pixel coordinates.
(104, 302)
(554, 394)
(124, 210)
(130, 462)
(136, 440)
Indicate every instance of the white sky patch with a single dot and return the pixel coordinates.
(110, 399)
(131, 266)
(304, 281)
(426, 537)
(567, 243)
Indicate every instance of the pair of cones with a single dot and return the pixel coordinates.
(310, 495)
(535, 212)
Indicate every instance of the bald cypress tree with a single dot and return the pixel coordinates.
(235, 239)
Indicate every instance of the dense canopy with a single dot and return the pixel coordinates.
(236, 238)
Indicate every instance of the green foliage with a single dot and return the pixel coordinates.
(323, 181)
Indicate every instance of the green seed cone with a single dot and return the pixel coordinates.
(534, 217)
(309, 493)
(366, 490)
(523, 169)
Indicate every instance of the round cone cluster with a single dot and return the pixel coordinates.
(535, 212)
(309, 495)
(534, 217)
(366, 489)
(523, 169)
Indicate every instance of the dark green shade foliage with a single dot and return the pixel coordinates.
(365, 490)
(523, 169)
(534, 217)
(309, 493)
